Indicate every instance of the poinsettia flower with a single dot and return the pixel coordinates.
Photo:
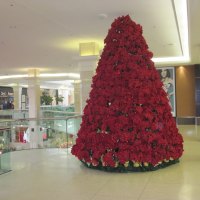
(127, 118)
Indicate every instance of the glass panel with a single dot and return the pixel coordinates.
(5, 138)
(73, 125)
(45, 111)
(13, 114)
(56, 132)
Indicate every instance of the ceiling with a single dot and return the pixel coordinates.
(45, 34)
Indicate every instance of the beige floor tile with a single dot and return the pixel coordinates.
(110, 197)
(170, 192)
(55, 174)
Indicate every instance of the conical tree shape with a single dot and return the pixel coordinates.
(127, 122)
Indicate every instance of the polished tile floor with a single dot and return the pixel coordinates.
(56, 175)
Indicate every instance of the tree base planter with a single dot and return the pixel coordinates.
(130, 168)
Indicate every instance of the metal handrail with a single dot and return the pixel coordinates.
(42, 118)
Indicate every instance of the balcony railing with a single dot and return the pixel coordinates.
(29, 133)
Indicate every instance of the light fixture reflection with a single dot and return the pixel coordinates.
(73, 75)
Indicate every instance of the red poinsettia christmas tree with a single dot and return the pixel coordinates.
(127, 123)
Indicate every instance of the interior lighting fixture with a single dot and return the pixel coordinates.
(73, 75)
(13, 76)
(181, 13)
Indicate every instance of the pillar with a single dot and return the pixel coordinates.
(17, 97)
(87, 62)
(77, 96)
(34, 108)
(86, 81)
(87, 66)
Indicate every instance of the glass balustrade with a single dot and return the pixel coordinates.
(5, 139)
(45, 111)
(24, 134)
(13, 114)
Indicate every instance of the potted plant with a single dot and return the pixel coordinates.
(46, 99)
(59, 99)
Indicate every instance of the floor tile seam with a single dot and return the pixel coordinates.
(145, 186)
(102, 186)
(110, 179)
(175, 184)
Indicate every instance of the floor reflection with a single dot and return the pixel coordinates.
(190, 132)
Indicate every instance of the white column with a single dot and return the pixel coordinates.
(86, 81)
(34, 109)
(17, 97)
(77, 96)
(87, 63)
(87, 66)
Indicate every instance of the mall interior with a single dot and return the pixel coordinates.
(49, 52)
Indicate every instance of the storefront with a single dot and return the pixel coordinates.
(6, 98)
